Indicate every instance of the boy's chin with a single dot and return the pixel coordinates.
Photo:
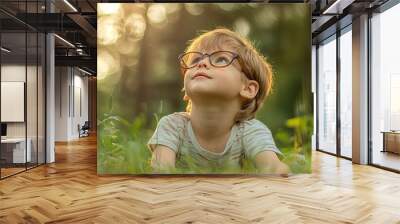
(211, 96)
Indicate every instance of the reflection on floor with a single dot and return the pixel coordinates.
(10, 169)
(386, 159)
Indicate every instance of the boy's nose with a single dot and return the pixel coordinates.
(204, 62)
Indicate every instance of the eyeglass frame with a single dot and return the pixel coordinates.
(235, 56)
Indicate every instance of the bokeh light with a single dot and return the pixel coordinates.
(135, 26)
(107, 64)
(109, 8)
(109, 30)
(242, 26)
(227, 6)
(172, 8)
(194, 8)
(157, 13)
(125, 46)
(266, 18)
(131, 59)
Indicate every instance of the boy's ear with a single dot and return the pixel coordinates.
(250, 89)
(185, 97)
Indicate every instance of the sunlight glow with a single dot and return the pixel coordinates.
(108, 8)
(109, 30)
(157, 13)
(135, 26)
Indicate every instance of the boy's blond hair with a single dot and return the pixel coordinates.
(253, 64)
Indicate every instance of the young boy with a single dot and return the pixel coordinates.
(225, 83)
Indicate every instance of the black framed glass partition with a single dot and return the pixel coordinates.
(385, 87)
(13, 109)
(22, 79)
(334, 93)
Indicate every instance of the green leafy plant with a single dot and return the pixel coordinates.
(297, 145)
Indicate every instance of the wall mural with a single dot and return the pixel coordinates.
(204, 88)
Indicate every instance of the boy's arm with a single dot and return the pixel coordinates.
(163, 158)
(268, 162)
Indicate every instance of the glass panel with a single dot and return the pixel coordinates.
(345, 94)
(31, 97)
(386, 89)
(13, 87)
(23, 88)
(327, 96)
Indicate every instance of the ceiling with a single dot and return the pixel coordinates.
(76, 22)
(75, 43)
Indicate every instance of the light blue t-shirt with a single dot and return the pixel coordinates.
(247, 139)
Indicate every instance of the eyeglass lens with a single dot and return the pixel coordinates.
(216, 59)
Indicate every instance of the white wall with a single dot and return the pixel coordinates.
(13, 100)
(13, 73)
(71, 94)
(62, 81)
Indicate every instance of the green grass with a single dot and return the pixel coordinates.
(123, 150)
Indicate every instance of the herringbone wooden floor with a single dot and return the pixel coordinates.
(70, 191)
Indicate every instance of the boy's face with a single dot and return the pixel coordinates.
(205, 81)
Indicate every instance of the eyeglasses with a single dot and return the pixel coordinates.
(217, 59)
